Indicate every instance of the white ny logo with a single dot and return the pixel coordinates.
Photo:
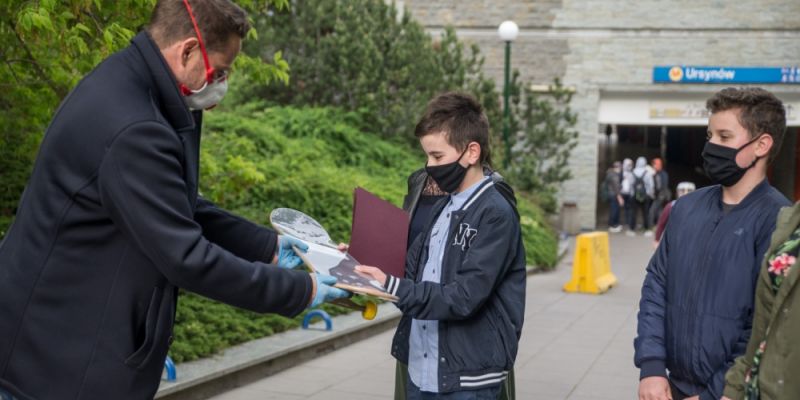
(465, 236)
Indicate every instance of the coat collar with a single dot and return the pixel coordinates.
(758, 191)
(164, 85)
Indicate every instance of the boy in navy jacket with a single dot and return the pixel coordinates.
(696, 310)
(463, 294)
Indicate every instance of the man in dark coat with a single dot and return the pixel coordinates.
(111, 225)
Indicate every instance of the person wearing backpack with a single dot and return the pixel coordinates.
(643, 192)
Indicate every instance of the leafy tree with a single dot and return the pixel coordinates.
(359, 55)
(544, 139)
(47, 46)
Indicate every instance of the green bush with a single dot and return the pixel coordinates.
(541, 242)
(204, 327)
(360, 55)
(255, 159)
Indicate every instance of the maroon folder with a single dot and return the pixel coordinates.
(379, 233)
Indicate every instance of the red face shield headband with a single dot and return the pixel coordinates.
(210, 72)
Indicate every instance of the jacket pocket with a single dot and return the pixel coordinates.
(158, 326)
(474, 344)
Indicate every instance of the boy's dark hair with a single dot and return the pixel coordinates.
(217, 21)
(760, 112)
(461, 117)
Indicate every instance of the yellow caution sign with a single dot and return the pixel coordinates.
(591, 267)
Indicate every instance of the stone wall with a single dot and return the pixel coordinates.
(594, 45)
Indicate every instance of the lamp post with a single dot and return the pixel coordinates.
(508, 31)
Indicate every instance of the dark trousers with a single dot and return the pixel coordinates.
(629, 208)
(636, 206)
(676, 393)
(655, 211)
(613, 212)
(413, 393)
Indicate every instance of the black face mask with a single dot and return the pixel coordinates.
(448, 176)
(720, 165)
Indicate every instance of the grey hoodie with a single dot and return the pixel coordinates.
(642, 171)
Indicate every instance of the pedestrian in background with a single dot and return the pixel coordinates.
(626, 190)
(684, 188)
(612, 192)
(663, 194)
(643, 192)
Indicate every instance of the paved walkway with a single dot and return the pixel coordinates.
(573, 346)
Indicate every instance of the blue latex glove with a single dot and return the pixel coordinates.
(325, 290)
(286, 255)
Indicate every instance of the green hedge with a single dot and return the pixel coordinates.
(255, 159)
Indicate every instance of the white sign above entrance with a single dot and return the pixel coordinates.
(678, 110)
(671, 109)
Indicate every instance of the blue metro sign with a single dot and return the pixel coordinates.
(696, 74)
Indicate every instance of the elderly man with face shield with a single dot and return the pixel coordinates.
(111, 223)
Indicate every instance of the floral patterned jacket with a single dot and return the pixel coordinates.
(776, 323)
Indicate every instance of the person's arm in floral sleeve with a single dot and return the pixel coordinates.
(737, 374)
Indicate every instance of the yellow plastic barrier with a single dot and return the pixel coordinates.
(591, 267)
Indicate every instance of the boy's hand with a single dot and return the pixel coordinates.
(654, 388)
(373, 273)
(343, 247)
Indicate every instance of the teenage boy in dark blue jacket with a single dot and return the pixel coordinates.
(696, 310)
(463, 295)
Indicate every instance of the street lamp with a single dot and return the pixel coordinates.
(508, 31)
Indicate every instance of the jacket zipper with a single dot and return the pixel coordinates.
(693, 304)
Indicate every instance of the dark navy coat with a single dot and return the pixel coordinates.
(696, 310)
(109, 226)
(480, 303)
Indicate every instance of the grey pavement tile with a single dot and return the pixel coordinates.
(534, 389)
(301, 387)
(609, 386)
(303, 372)
(555, 357)
(342, 395)
(582, 397)
(618, 367)
(367, 385)
(246, 393)
(350, 356)
(558, 373)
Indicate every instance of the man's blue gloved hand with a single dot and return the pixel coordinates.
(325, 290)
(286, 255)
